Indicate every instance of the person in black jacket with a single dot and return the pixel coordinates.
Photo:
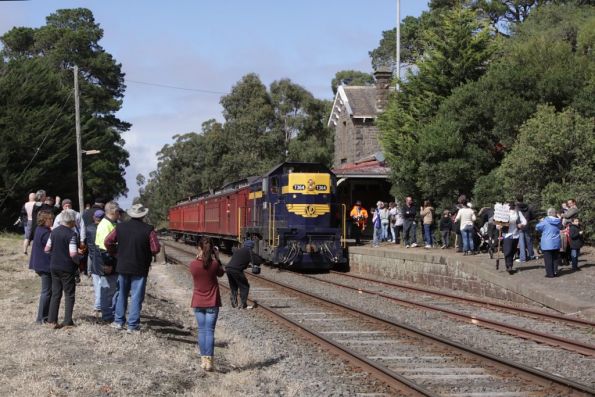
(576, 242)
(136, 244)
(445, 228)
(409, 212)
(64, 258)
(240, 260)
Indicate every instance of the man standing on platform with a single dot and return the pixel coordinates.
(525, 238)
(136, 243)
(359, 217)
(409, 226)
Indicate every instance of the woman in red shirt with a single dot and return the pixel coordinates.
(206, 298)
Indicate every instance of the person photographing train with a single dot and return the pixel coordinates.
(240, 260)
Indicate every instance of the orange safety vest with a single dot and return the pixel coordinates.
(360, 216)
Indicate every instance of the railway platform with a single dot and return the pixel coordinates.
(570, 293)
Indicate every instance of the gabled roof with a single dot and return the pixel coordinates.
(358, 101)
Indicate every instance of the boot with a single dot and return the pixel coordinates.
(208, 363)
(203, 362)
(234, 300)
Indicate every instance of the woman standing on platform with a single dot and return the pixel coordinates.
(549, 227)
(511, 236)
(206, 298)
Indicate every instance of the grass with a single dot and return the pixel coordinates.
(96, 360)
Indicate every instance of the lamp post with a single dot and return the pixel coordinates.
(79, 150)
(398, 44)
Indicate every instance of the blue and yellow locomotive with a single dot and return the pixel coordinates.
(295, 217)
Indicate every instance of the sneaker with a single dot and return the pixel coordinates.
(414, 245)
(443, 247)
(135, 331)
(117, 326)
(428, 246)
(407, 246)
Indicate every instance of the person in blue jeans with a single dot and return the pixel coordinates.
(576, 242)
(135, 243)
(206, 299)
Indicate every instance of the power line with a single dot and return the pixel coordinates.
(176, 87)
(47, 134)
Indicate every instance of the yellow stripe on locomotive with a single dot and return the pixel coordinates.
(307, 183)
(309, 210)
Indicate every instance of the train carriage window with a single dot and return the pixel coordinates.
(275, 184)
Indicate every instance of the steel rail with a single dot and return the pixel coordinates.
(531, 374)
(568, 319)
(383, 374)
(552, 340)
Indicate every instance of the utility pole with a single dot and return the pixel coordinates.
(79, 149)
(398, 44)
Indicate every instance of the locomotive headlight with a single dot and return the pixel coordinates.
(311, 248)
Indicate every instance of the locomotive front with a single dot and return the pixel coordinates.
(301, 226)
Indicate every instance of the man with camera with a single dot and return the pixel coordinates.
(241, 259)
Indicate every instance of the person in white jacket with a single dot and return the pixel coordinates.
(467, 216)
(511, 234)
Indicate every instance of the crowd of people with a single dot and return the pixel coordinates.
(561, 237)
(117, 254)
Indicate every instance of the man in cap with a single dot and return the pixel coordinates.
(239, 261)
(136, 243)
(79, 226)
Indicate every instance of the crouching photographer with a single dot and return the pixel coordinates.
(241, 259)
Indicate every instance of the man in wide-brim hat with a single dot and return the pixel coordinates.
(135, 243)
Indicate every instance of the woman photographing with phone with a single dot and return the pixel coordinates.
(206, 298)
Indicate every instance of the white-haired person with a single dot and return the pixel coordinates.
(377, 224)
(63, 246)
(105, 264)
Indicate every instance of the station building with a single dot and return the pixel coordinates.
(362, 173)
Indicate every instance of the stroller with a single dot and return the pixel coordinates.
(484, 240)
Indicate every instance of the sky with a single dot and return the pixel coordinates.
(209, 45)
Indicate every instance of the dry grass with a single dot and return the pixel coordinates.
(96, 360)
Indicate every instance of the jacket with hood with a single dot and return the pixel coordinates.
(526, 210)
(550, 233)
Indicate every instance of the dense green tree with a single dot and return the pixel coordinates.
(454, 55)
(552, 160)
(302, 119)
(39, 61)
(351, 77)
(254, 144)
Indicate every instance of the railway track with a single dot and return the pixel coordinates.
(409, 360)
(468, 315)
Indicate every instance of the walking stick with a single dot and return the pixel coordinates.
(498, 248)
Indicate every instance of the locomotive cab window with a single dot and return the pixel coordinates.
(275, 184)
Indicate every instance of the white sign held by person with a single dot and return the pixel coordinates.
(501, 213)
